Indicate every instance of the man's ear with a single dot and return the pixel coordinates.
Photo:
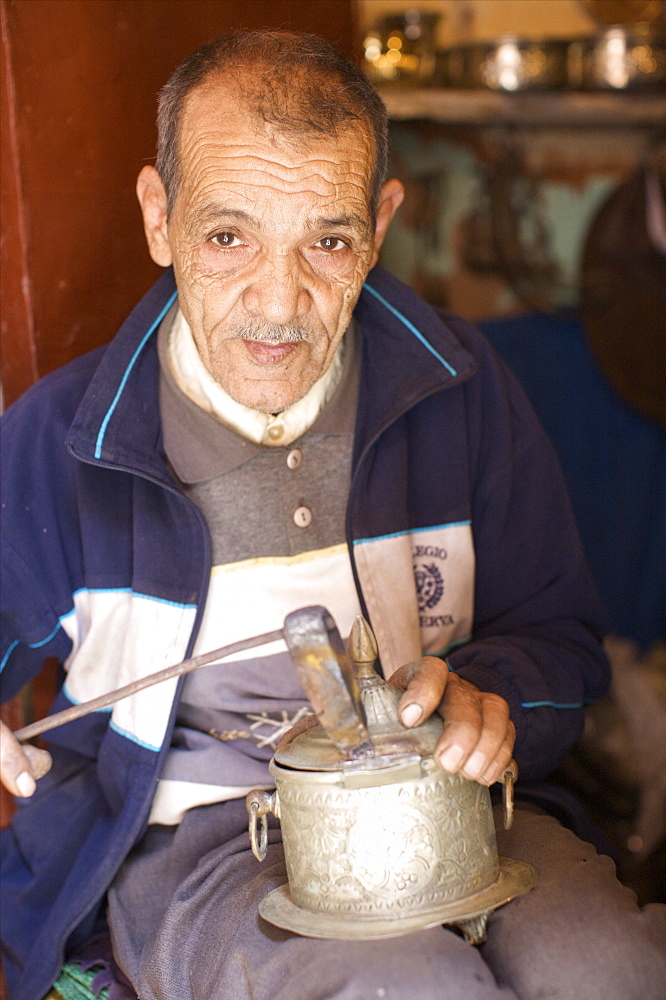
(153, 200)
(390, 200)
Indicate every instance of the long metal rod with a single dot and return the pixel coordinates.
(185, 667)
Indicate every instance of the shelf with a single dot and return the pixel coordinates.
(481, 107)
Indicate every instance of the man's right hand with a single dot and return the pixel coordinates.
(20, 764)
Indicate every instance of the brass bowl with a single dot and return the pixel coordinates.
(380, 852)
(378, 841)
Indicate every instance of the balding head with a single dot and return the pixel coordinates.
(296, 84)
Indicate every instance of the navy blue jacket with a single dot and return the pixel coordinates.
(461, 540)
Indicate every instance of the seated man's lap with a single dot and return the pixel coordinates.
(185, 925)
(579, 934)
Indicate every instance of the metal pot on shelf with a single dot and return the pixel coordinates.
(509, 64)
(620, 58)
(378, 841)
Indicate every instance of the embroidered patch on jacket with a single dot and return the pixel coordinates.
(430, 587)
(419, 589)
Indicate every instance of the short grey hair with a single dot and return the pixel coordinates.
(303, 85)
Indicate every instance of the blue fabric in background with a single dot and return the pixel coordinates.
(613, 458)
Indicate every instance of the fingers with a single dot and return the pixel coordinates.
(301, 726)
(20, 765)
(40, 760)
(423, 682)
(478, 734)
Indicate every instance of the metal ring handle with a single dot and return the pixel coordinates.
(259, 846)
(508, 779)
(258, 804)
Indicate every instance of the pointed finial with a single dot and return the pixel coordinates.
(362, 646)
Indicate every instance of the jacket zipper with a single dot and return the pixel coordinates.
(357, 471)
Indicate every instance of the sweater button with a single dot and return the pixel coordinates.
(294, 458)
(302, 517)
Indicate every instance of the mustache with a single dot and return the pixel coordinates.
(273, 333)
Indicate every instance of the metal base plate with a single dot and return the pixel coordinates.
(516, 877)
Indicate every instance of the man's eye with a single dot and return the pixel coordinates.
(226, 240)
(331, 243)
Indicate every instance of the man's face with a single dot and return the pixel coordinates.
(271, 239)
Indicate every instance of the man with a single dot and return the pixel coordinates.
(281, 423)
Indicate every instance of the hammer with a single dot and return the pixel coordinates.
(321, 662)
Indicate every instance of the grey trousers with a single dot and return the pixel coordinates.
(184, 922)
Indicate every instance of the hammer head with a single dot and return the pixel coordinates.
(326, 673)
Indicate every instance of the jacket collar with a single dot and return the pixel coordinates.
(118, 421)
(409, 352)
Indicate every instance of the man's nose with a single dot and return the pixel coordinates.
(278, 293)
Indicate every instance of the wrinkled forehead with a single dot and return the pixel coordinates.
(221, 131)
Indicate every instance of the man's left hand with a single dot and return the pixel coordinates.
(478, 735)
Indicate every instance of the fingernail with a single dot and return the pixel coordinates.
(450, 759)
(476, 765)
(492, 774)
(25, 784)
(411, 714)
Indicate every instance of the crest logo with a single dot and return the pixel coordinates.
(429, 585)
